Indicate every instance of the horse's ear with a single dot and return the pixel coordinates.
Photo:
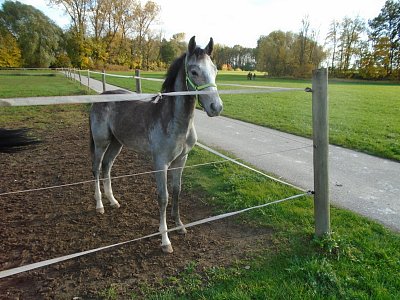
(192, 45)
(209, 47)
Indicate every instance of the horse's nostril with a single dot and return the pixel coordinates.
(212, 106)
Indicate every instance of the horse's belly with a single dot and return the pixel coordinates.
(138, 144)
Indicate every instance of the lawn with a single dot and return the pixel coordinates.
(363, 116)
(34, 83)
(360, 260)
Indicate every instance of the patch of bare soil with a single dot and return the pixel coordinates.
(46, 224)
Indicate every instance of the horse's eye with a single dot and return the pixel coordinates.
(194, 73)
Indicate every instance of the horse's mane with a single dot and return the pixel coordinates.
(172, 73)
(173, 70)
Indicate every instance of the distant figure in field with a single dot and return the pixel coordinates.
(249, 76)
(254, 76)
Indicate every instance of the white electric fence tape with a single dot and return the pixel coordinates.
(14, 271)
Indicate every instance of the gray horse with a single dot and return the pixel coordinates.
(164, 129)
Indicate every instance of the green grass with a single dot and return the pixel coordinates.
(360, 260)
(363, 115)
(23, 84)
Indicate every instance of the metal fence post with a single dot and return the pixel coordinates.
(138, 82)
(321, 150)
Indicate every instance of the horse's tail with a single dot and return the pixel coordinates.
(13, 140)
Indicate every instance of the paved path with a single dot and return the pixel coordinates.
(359, 182)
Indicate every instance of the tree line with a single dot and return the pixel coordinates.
(120, 35)
(366, 49)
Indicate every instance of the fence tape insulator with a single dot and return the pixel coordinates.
(14, 271)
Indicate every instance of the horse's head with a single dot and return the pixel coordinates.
(200, 76)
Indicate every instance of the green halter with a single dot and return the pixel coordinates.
(193, 85)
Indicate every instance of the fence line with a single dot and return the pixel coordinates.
(162, 80)
(321, 215)
(14, 271)
(226, 159)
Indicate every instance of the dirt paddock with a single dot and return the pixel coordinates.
(41, 225)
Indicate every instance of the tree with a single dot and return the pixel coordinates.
(274, 55)
(288, 54)
(78, 11)
(236, 57)
(385, 29)
(345, 38)
(10, 53)
(167, 52)
(350, 38)
(333, 39)
(37, 36)
(144, 17)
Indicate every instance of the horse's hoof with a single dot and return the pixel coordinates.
(167, 248)
(100, 210)
(182, 230)
(115, 205)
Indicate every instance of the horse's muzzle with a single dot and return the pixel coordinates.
(215, 110)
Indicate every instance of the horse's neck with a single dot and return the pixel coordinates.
(183, 105)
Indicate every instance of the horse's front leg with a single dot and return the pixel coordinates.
(161, 179)
(176, 172)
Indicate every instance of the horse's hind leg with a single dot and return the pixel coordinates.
(97, 158)
(109, 157)
(176, 172)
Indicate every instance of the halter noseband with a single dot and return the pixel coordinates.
(193, 85)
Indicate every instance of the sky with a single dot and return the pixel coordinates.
(232, 22)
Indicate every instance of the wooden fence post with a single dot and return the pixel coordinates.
(321, 150)
(138, 82)
(88, 79)
(80, 78)
(104, 80)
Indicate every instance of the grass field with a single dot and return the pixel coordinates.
(363, 115)
(30, 85)
(360, 260)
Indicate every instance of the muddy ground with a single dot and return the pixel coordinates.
(45, 224)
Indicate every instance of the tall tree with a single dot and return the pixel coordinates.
(278, 54)
(144, 16)
(332, 39)
(78, 11)
(169, 50)
(38, 37)
(10, 53)
(78, 47)
(386, 27)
